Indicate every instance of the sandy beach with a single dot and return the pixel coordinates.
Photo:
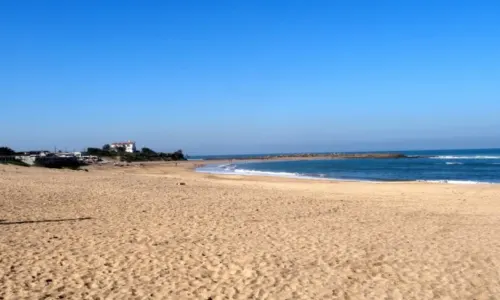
(137, 233)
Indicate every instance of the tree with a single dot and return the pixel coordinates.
(147, 151)
(178, 155)
(106, 147)
(99, 152)
(120, 149)
(6, 151)
(94, 151)
(58, 162)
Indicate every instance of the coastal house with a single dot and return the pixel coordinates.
(128, 146)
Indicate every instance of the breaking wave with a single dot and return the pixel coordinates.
(233, 169)
(455, 181)
(466, 157)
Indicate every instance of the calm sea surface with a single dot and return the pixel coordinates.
(453, 166)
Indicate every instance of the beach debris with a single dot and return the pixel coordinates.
(181, 183)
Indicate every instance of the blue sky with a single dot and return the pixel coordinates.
(218, 77)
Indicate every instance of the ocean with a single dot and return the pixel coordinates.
(449, 166)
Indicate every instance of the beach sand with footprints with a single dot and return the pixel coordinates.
(136, 232)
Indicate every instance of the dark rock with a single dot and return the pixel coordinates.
(323, 155)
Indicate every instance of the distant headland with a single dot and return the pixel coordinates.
(115, 152)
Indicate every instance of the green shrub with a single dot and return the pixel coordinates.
(15, 163)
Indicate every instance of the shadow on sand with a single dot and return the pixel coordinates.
(4, 222)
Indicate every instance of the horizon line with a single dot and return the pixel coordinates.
(321, 152)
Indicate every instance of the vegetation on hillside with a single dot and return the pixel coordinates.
(58, 162)
(15, 162)
(6, 151)
(10, 159)
(146, 154)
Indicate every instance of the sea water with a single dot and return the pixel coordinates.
(452, 166)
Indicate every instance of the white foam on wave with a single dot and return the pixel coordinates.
(267, 173)
(227, 167)
(466, 157)
(454, 163)
(455, 181)
(230, 169)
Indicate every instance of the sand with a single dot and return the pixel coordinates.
(135, 233)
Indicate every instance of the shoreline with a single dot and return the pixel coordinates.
(288, 175)
(164, 231)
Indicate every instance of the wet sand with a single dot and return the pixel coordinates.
(136, 233)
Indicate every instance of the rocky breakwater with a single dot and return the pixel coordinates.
(338, 155)
(318, 156)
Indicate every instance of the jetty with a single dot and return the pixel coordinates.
(317, 156)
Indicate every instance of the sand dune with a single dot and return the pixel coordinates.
(134, 233)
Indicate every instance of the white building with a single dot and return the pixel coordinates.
(129, 146)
